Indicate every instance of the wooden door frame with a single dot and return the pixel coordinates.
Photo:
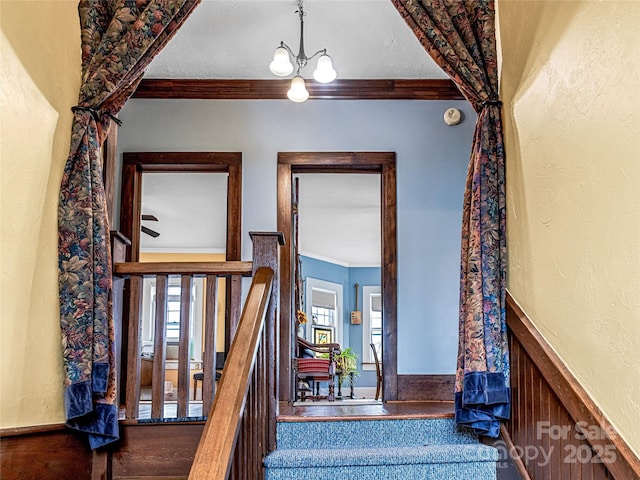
(383, 163)
(134, 164)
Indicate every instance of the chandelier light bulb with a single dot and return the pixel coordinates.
(281, 64)
(298, 91)
(324, 72)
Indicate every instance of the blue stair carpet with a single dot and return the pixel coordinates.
(420, 449)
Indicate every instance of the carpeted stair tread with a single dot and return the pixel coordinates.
(429, 454)
(379, 449)
(368, 433)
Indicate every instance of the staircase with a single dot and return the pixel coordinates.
(379, 449)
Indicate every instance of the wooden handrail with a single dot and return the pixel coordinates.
(214, 456)
(184, 268)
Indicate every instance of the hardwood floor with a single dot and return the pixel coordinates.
(290, 413)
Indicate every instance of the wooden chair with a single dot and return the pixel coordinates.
(199, 376)
(311, 370)
(378, 370)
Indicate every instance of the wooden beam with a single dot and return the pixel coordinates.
(214, 89)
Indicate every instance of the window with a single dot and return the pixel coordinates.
(173, 311)
(172, 334)
(324, 310)
(323, 307)
(371, 322)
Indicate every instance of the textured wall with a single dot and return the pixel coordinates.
(39, 82)
(432, 160)
(572, 120)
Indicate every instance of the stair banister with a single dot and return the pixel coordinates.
(131, 357)
(240, 428)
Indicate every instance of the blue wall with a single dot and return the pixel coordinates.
(347, 277)
(432, 160)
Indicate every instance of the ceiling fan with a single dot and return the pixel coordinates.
(148, 231)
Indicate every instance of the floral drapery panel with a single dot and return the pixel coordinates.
(119, 38)
(460, 36)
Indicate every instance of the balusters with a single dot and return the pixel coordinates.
(183, 346)
(159, 350)
(209, 365)
(133, 354)
(248, 423)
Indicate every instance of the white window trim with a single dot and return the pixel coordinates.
(310, 284)
(367, 356)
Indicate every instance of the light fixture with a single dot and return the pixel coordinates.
(298, 92)
(282, 66)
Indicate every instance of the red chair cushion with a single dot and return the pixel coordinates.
(314, 367)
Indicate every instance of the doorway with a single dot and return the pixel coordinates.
(382, 163)
(164, 196)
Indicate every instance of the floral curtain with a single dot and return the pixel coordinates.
(460, 36)
(119, 38)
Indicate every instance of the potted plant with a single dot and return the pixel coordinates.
(346, 367)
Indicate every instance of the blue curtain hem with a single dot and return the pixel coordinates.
(78, 399)
(101, 425)
(483, 403)
(83, 413)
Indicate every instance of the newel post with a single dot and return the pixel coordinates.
(266, 253)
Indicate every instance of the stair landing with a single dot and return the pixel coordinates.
(383, 411)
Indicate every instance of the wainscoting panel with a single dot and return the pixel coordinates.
(156, 450)
(49, 452)
(426, 388)
(556, 429)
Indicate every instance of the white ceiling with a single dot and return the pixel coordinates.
(191, 209)
(339, 215)
(236, 39)
(339, 218)
(367, 39)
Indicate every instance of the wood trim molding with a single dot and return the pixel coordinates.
(426, 388)
(182, 161)
(571, 395)
(516, 459)
(184, 268)
(32, 430)
(109, 159)
(383, 163)
(231, 89)
(134, 164)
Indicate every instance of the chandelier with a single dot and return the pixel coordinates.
(282, 66)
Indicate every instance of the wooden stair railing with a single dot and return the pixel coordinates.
(241, 425)
(161, 270)
(239, 389)
(240, 428)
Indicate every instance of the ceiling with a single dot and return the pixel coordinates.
(339, 218)
(367, 39)
(339, 215)
(191, 209)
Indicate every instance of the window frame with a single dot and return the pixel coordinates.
(367, 355)
(326, 286)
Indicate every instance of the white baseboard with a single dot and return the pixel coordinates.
(364, 392)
